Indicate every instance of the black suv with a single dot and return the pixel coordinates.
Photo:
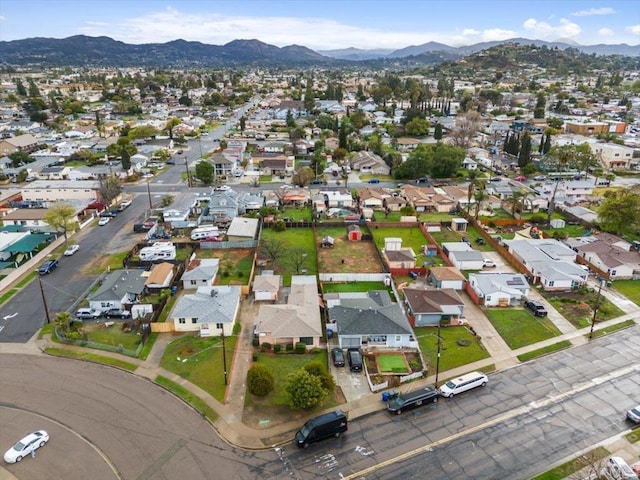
(536, 308)
(337, 356)
(355, 359)
(117, 313)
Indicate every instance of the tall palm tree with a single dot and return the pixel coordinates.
(479, 196)
(516, 200)
(473, 177)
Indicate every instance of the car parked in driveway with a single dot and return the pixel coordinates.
(355, 359)
(536, 308)
(71, 249)
(88, 314)
(117, 313)
(488, 263)
(337, 356)
(48, 267)
(26, 446)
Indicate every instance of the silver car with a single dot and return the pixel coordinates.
(634, 414)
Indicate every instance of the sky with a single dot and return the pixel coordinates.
(326, 24)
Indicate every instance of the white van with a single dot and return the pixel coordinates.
(204, 231)
(463, 383)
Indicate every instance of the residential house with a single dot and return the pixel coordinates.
(160, 276)
(338, 198)
(296, 321)
(54, 172)
(446, 277)
(273, 165)
(222, 164)
(498, 289)
(370, 198)
(295, 196)
(242, 229)
(396, 255)
(250, 201)
(407, 144)
(610, 254)
(266, 287)
(369, 162)
(548, 261)
(22, 143)
(613, 156)
(469, 164)
(222, 204)
(590, 128)
(119, 289)
(210, 310)
(200, 273)
(574, 191)
(57, 190)
(369, 320)
(428, 306)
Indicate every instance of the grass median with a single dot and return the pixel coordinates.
(196, 402)
(91, 357)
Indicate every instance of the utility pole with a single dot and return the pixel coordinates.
(596, 307)
(438, 357)
(186, 165)
(44, 301)
(224, 358)
(149, 195)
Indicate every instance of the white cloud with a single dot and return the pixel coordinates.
(605, 32)
(495, 34)
(594, 11)
(543, 30)
(2, 17)
(635, 29)
(470, 32)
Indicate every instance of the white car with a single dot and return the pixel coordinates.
(488, 263)
(71, 249)
(25, 446)
(222, 188)
(103, 221)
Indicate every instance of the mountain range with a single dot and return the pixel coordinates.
(84, 50)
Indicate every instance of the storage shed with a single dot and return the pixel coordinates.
(354, 233)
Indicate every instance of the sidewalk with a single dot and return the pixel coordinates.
(229, 424)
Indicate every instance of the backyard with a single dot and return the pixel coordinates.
(519, 328)
(346, 256)
(458, 346)
(297, 213)
(628, 288)
(200, 361)
(471, 233)
(235, 264)
(353, 287)
(298, 256)
(411, 237)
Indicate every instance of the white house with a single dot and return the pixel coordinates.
(266, 287)
(463, 256)
(210, 310)
(499, 289)
(200, 273)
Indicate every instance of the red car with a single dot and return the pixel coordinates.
(520, 178)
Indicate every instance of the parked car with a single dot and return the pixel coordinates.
(374, 180)
(634, 414)
(488, 263)
(171, 162)
(406, 401)
(48, 267)
(495, 179)
(124, 204)
(520, 178)
(103, 221)
(26, 445)
(337, 356)
(480, 241)
(117, 313)
(540, 178)
(330, 424)
(71, 249)
(222, 188)
(88, 314)
(536, 308)
(463, 383)
(179, 152)
(355, 359)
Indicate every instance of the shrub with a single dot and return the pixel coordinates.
(301, 348)
(265, 347)
(463, 342)
(237, 327)
(276, 348)
(305, 390)
(260, 381)
(288, 347)
(279, 226)
(255, 342)
(318, 370)
(254, 357)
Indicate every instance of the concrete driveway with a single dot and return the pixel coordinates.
(354, 385)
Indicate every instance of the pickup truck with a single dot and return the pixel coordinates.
(406, 401)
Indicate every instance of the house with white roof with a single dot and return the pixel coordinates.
(210, 310)
(549, 261)
(499, 289)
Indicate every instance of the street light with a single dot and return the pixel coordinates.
(224, 358)
(596, 307)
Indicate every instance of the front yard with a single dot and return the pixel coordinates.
(628, 288)
(458, 346)
(577, 306)
(200, 361)
(519, 328)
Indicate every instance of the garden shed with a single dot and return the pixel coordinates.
(557, 223)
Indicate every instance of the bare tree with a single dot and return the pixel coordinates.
(467, 126)
(589, 465)
(297, 258)
(110, 188)
(274, 248)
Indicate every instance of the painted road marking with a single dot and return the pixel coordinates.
(535, 405)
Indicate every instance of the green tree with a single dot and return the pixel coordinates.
(205, 172)
(303, 176)
(171, 124)
(418, 127)
(309, 98)
(260, 381)
(620, 209)
(524, 156)
(320, 371)
(33, 89)
(143, 131)
(63, 321)
(555, 122)
(291, 123)
(59, 216)
(273, 249)
(304, 390)
(437, 132)
(243, 123)
(19, 158)
(342, 135)
(20, 90)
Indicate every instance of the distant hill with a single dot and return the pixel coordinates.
(84, 50)
(104, 51)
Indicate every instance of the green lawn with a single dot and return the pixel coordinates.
(499, 213)
(196, 402)
(392, 363)
(566, 470)
(452, 354)
(352, 287)
(335, 232)
(544, 350)
(628, 288)
(519, 328)
(281, 365)
(294, 238)
(297, 213)
(113, 336)
(91, 357)
(412, 237)
(577, 307)
(200, 360)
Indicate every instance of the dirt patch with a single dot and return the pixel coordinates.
(346, 256)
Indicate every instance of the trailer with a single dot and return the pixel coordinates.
(158, 251)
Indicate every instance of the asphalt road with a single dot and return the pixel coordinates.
(527, 418)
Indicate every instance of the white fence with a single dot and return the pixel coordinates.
(411, 376)
(354, 277)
